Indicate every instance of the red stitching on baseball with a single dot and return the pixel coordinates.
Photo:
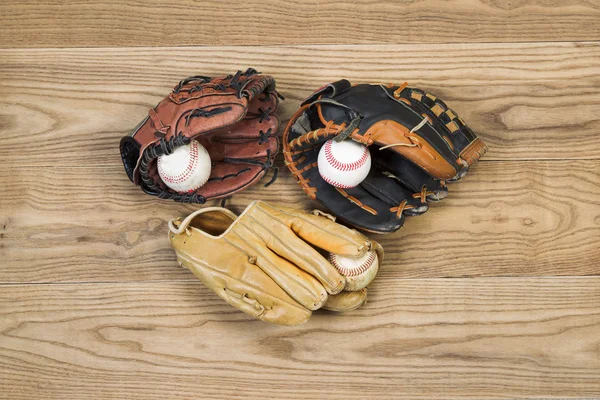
(340, 166)
(334, 183)
(352, 272)
(188, 170)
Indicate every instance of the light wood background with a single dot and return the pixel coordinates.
(494, 293)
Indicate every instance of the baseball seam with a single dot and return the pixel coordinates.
(340, 166)
(334, 183)
(187, 173)
(352, 272)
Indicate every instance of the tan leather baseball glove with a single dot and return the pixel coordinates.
(268, 262)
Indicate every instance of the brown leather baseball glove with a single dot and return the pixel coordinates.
(267, 262)
(233, 117)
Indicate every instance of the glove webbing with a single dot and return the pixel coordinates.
(355, 119)
(164, 147)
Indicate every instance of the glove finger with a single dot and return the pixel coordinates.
(388, 190)
(346, 301)
(322, 232)
(409, 175)
(355, 206)
(246, 129)
(226, 148)
(265, 104)
(280, 239)
(228, 178)
(300, 285)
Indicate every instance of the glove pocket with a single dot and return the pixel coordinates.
(247, 140)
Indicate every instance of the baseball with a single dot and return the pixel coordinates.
(186, 169)
(359, 272)
(345, 164)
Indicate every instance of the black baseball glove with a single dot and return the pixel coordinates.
(417, 144)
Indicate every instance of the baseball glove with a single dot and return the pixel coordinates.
(233, 117)
(416, 142)
(266, 261)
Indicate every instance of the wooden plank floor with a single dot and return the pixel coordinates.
(493, 293)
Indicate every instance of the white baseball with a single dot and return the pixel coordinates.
(344, 164)
(359, 272)
(185, 169)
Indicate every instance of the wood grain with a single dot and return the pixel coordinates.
(425, 338)
(527, 101)
(63, 23)
(90, 224)
(493, 293)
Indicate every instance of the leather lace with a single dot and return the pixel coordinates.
(414, 141)
(399, 209)
(423, 194)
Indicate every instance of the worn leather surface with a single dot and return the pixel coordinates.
(234, 117)
(417, 145)
(268, 262)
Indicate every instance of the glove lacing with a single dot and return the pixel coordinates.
(414, 141)
(165, 147)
